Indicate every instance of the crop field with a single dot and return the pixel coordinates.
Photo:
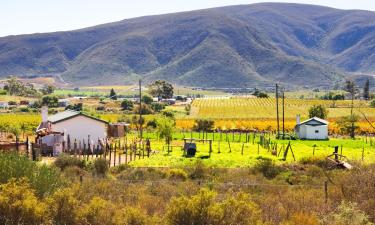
(248, 108)
(260, 113)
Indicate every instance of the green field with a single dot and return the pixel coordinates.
(231, 155)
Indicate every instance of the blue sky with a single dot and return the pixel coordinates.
(35, 16)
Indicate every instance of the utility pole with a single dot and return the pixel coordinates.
(277, 110)
(283, 115)
(140, 109)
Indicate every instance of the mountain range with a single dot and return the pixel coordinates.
(234, 46)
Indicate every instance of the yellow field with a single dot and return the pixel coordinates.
(260, 114)
(255, 108)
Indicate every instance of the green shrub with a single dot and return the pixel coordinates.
(64, 160)
(348, 213)
(101, 166)
(44, 179)
(177, 174)
(267, 167)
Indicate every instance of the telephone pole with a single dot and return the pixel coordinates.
(277, 110)
(283, 115)
(140, 110)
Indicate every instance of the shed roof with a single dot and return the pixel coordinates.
(315, 121)
(68, 114)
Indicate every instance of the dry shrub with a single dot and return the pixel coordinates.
(177, 175)
(19, 205)
(204, 208)
(302, 218)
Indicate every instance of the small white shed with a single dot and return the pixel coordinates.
(312, 129)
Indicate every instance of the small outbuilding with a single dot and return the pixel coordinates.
(312, 129)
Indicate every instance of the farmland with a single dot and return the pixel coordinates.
(260, 113)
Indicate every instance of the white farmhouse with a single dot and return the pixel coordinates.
(312, 129)
(77, 125)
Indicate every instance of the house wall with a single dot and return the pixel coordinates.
(80, 127)
(309, 132)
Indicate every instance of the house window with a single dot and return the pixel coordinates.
(316, 131)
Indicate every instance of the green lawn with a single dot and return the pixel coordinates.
(230, 157)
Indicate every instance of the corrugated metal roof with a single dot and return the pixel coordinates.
(62, 115)
(316, 119)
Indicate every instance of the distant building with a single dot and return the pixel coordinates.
(63, 102)
(312, 129)
(4, 105)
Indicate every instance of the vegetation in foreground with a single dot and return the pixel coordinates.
(264, 194)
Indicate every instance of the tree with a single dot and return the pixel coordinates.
(318, 111)
(347, 124)
(165, 127)
(260, 94)
(50, 101)
(366, 90)
(113, 95)
(47, 89)
(76, 107)
(352, 89)
(127, 105)
(204, 125)
(146, 109)
(147, 99)
(161, 89)
(157, 107)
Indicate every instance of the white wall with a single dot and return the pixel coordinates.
(80, 127)
(309, 132)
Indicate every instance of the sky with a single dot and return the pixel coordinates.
(38, 16)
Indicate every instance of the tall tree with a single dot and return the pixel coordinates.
(350, 87)
(113, 95)
(161, 89)
(318, 111)
(366, 90)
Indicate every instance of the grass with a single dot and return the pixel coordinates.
(233, 157)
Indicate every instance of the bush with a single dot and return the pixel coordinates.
(44, 179)
(19, 205)
(372, 103)
(63, 161)
(142, 174)
(348, 213)
(203, 125)
(177, 174)
(63, 207)
(131, 216)
(267, 167)
(97, 212)
(101, 166)
(198, 171)
(157, 107)
(204, 209)
(127, 105)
